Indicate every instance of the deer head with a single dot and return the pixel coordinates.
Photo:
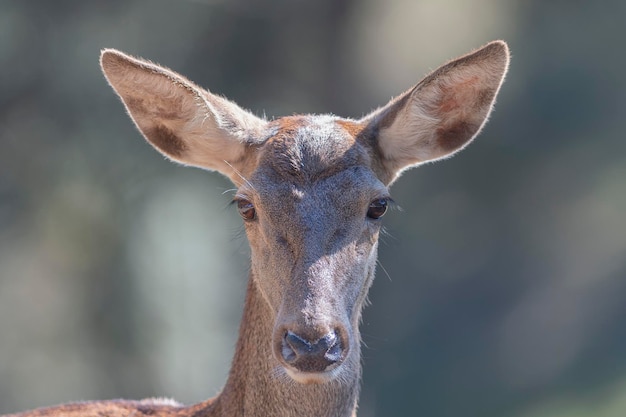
(311, 189)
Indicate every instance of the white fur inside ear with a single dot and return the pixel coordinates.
(443, 113)
(410, 134)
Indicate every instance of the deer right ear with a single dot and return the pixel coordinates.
(441, 114)
(182, 121)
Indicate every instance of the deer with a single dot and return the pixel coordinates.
(311, 191)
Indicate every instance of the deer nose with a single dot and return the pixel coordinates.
(312, 356)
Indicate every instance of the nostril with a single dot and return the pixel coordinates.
(295, 346)
(334, 351)
(289, 355)
(327, 341)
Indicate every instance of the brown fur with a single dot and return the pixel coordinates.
(166, 140)
(280, 153)
(113, 408)
(310, 180)
(453, 137)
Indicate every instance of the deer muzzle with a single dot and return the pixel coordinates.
(311, 354)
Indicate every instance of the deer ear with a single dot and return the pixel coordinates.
(441, 114)
(182, 121)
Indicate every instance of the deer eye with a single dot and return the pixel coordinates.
(377, 208)
(246, 209)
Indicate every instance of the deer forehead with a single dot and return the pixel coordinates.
(306, 149)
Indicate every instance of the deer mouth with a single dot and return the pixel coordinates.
(311, 378)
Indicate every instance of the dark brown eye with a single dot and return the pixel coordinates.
(377, 208)
(246, 209)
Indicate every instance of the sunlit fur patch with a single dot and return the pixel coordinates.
(161, 402)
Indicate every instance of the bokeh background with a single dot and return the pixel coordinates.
(122, 275)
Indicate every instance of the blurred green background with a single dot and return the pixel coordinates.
(122, 275)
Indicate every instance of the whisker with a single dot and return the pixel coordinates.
(240, 175)
(383, 269)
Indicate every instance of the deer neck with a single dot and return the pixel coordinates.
(257, 387)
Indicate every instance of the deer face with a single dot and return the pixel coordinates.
(312, 213)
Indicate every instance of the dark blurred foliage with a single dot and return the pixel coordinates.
(504, 273)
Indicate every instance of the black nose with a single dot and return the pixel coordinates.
(312, 356)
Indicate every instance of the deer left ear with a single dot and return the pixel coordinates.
(441, 114)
